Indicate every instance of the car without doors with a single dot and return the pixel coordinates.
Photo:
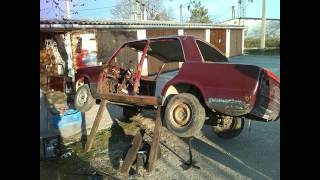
(203, 88)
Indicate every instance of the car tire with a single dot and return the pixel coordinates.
(128, 111)
(184, 115)
(234, 129)
(83, 100)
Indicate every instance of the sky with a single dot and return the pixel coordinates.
(218, 10)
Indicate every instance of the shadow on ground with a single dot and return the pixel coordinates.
(254, 154)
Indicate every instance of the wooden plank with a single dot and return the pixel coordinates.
(95, 126)
(132, 99)
(155, 142)
(131, 155)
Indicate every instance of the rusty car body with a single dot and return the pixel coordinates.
(205, 89)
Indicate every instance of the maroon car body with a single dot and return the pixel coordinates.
(233, 89)
(230, 89)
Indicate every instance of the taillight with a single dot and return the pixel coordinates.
(271, 75)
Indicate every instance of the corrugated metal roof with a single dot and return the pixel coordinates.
(70, 24)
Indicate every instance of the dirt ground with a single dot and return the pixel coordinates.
(254, 154)
(251, 155)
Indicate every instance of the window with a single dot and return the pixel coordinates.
(209, 53)
(126, 59)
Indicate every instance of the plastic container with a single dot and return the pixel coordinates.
(69, 118)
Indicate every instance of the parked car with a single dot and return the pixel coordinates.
(205, 89)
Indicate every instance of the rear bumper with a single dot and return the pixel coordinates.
(267, 105)
(269, 113)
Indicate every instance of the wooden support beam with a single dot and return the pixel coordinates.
(131, 155)
(155, 142)
(95, 125)
(132, 99)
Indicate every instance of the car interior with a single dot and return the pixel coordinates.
(121, 71)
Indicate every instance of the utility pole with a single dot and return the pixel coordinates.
(181, 19)
(233, 13)
(144, 11)
(130, 10)
(239, 10)
(67, 42)
(138, 9)
(263, 25)
(68, 15)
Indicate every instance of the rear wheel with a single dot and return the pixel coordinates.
(83, 100)
(228, 127)
(184, 115)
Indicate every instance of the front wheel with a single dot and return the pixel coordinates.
(83, 100)
(229, 127)
(184, 115)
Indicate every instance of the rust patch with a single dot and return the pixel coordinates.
(230, 107)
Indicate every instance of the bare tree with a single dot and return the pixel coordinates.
(155, 9)
(121, 10)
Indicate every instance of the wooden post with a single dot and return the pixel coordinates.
(131, 155)
(95, 126)
(155, 142)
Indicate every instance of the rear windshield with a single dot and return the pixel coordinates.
(209, 53)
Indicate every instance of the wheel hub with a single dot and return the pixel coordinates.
(82, 97)
(181, 115)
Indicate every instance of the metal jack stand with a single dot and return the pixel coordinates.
(190, 163)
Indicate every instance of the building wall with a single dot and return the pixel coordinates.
(160, 32)
(109, 40)
(199, 33)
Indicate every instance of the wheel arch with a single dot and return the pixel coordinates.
(85, 79)
(182, 87)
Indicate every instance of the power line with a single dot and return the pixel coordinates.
(79, 15)
(44, 9)
(92, 9)
(50, 9)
